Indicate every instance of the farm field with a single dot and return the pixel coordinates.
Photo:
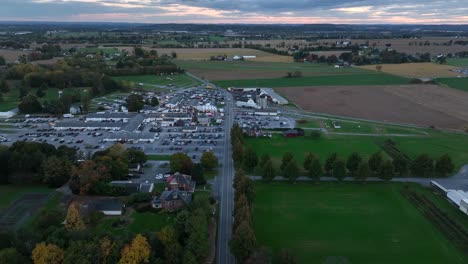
(462, 62)
(230, 70)
(457, 83)
(346, 223)
(12, 55)
(345, 80)
(404, 104)
(179, 81)
(435, 145)
(205, 54)
(416, 70)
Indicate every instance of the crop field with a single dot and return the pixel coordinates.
(348, 223)
(462, 62)
(369, 79)
(404, 104)
(457, 83)
(205, 54)
(177, 81)
(416, 70)
(12, 55)
(239, 70)
(403, 45)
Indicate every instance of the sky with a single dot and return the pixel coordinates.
(239, 11)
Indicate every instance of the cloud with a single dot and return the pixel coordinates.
(239, 11)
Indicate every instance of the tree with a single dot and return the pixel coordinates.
(74, 221)
(291, 170)
(138, 251)
(287, 157)
(83, 252)
(30, 105)
(315, 169)
(286, 257)
(198, 174)
(180, 162)
(41, 91)
(4, 88)
(189, 258)
(238, 152)
(353, 163)
(136, 156)
(264, 159)
(56, 171)
(339, 169)
(197, 230)
(315, 135)
(154, 101)
(308, 160)
(444, 166)
(85, 102)
(386, 171)
(363, 171)
(12, 256)
(329, 163)
(375, 162)
(422, 166)
(250, 159)
(379, 68)
(268, 172)
(401, 166)
(2, 61)
(135, 103)
(172, 249)
(243, 242)
(47, 254)
(208, 160)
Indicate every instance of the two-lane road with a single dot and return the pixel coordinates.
(226, 191)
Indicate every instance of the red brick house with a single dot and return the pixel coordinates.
(181, 182)
(172, 200)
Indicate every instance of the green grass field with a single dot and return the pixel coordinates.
(9, 193)
(458, 62)
(457, 83)
(435, 144)
(178, 81)
(149, 222)
(347, 223)
(357, 79)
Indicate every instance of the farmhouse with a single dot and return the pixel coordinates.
(181, 182)
(172, 200)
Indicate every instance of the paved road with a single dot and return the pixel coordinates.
(226, 191)
(458, 182)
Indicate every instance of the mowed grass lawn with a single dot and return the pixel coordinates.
(347, 223)
(462, 62)
(457, 83)
(356, 79)
(436, 144)
(180, 80)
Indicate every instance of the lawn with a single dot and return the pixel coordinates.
(179, 81)
(149, 222)
(436, 144)
(457, 83)
(9, 193)
(462, 62)
(350, 127)
(347, 223)
(357, 79)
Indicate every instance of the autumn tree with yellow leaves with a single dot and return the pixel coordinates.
(47, 254)
(136, 252)
(74, 220)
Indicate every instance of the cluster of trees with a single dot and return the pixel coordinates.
(244, 243)
(91, 176)
(182, 163)
(49, 241)
(36, 163)
(357, 167)
(45, 52)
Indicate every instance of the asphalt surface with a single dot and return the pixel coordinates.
(225, 191)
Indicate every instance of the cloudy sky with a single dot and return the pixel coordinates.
(238, 11)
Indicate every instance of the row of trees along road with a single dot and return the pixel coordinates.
(354, 166)
(182, 163)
